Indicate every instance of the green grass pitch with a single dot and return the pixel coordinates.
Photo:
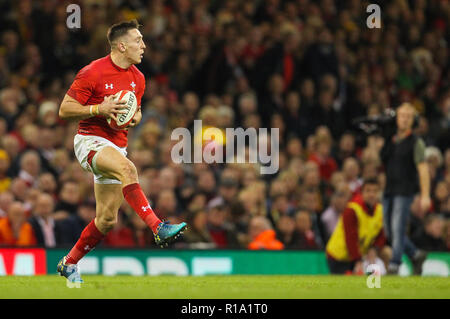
(224, 287)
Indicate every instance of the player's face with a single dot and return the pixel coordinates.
(135, 46)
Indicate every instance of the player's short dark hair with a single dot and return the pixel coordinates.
(370, 181)
(119, 29)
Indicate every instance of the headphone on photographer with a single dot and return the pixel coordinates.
(416, 121)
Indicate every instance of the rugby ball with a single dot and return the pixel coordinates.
(123, 120)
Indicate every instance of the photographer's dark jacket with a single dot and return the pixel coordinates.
(400, 160)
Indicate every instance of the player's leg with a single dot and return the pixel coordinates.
(111, 163)
(108, 199)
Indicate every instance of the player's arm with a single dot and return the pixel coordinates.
(71, 109)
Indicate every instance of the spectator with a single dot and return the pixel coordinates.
(142, 235)
(262, 235)
(310, 202)
(432, 236)
(320, 58)
(441, 195)
(330, 216)
(445, 209)
(285, 231)
(197, 202)
(166, 204)
(10, 100)
(281, 59)
(447, 235)
(12, 147)
(279, 207)
(228, 190)
(313, 184)
(73, 225)
(304, 236)
(247, 104)
(221, 231)
(307, 100)
(30, 167)
(433, 157)
(168, 179)
(120, 236)
(46, 229)
(14, 229)
(5, 180)
(206, 184)
(418, 216)
(272, 100)
(294, 116)
(69, 199)
(20, 189)
(346, 148)
(351, 172)
(240, 220)
(327, 164)
(325, 114)
(294, 147)
(6, 199)
(251, 203)
(198, 235)
(47, 184)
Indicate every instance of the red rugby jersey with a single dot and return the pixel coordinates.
(102, 78)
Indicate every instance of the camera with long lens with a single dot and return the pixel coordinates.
(383, 124)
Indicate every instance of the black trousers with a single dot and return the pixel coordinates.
(340, 267)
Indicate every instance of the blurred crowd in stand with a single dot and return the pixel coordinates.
(305, 67)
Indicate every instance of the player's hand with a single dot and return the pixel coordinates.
(133, 123)
(110, 108)
(136, 119)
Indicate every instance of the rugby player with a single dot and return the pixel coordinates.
(100, 149)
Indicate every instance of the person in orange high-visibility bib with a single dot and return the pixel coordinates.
(14, 229)
(359, 228)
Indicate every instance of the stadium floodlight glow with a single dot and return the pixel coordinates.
(259, 146)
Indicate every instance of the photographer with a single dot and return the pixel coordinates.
(407, 173)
